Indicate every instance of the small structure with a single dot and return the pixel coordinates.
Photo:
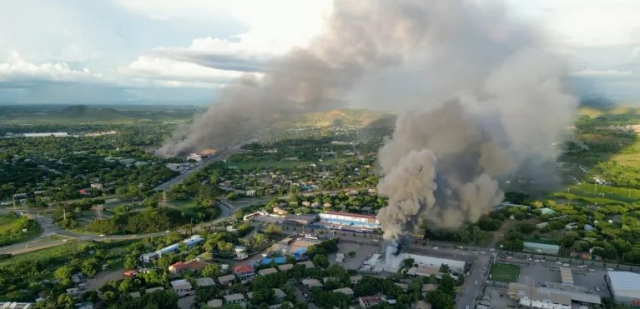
(285, 267)
(234, 299)
(421, 304)
(345, 291)
(134, 294)
(301, 219)
(369, 301)
(130, 274)
(312, 283)
(267, 271)
(403, 286)
(215, 303)
(205, 282)
(182, 287)
(429, 287)
(193, 265)
(566, 275)
(535, 247)
(244, 271)
(226, 280)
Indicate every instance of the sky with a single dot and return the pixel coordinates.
(185, 51)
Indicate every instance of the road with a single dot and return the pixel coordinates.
(49, 229)
(221, 156)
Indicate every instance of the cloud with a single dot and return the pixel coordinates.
(601, 73)
(17, 69)
(175, 73)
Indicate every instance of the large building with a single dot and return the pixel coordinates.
(549, 298)
(189, 242)
(349, 219)
(624, 287)
(534, 247)
(301, 219)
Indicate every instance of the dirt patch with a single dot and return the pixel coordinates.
(103, 277)
(507, 225)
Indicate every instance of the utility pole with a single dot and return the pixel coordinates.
(163, 202)
(64, 214)
(14, 202)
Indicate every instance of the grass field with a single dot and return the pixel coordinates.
(630, 160)
(504, 272)
(11, 230)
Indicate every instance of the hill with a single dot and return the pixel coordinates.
(85, 112)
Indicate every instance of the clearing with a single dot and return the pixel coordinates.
(504, 273)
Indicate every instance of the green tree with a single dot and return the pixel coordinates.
(321, 260)
(211, 270)
(63, 274)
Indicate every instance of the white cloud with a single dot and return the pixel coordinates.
(175, 73)
(18, 69)
(601, 73)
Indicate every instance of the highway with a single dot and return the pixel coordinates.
(221, 156)
(48, 229)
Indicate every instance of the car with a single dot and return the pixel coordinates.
(591, 269)
(492, 249)
(467, 307)
(435, 248)
(565, 265)
(530, 259)
(610, 269)
(167, 231)
(482, 252)
(508, 257)
(559, 263)
(597, 289)
(101, 235)
(476, 281)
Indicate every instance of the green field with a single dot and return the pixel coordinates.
(11, 230)
(504, 273)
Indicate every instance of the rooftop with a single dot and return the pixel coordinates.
(337, 213)
(204, 282)
(267, 271)
(214, 303)
(566, 275)
(181, 284)
(243, 269)
(226, 278)
(233, 297)
(624, 281)
(285, 267)
(347, 291)
(311, 283)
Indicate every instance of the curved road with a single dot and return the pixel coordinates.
(49, 229)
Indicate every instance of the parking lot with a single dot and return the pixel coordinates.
(362, 253)
(497, 297)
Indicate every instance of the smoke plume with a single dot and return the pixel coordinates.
(477, 92)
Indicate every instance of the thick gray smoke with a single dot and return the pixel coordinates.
(483, 94)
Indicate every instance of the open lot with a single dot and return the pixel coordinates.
(497, 297)
(505, 272)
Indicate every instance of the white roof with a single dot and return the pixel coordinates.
(204, 282)
(624, 283)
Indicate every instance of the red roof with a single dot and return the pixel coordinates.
(177, 265)
(346, 214)
(130, 272)
(243, 269)
(371, 300)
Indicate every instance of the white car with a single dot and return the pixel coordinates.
(101, 235)
(435, 248)
(610, 269)
(565, 265)
(482, 252)
(591, 269)
(559, 263)
(492, 249)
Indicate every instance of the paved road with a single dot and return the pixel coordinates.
(221, 156)
(227, 210)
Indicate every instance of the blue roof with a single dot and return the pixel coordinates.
(173, 247)
(280, 260)
(301, 250)
(266, 261)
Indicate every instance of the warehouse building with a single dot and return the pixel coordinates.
(349, 219)
(534, 247)
(624, 287)
(540, 297)
(301, 219)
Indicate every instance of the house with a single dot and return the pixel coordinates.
(285, 267)
(244, 271)
(130, 273)
(84, 305)
(205, 282)
(214, 303)
(571, 226)
(226, 280)
(345, 291)
(134, 294)
(312, 283)
(182, 287)
(369, 301)
(541, 225)
(355, 279)
(422, 305)
(547, 211)
(97, 186)
(73, 292)
(278, 210)
(267, 271)
(193, 265)
(588, 227)
(234, 299)
(279, 294)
